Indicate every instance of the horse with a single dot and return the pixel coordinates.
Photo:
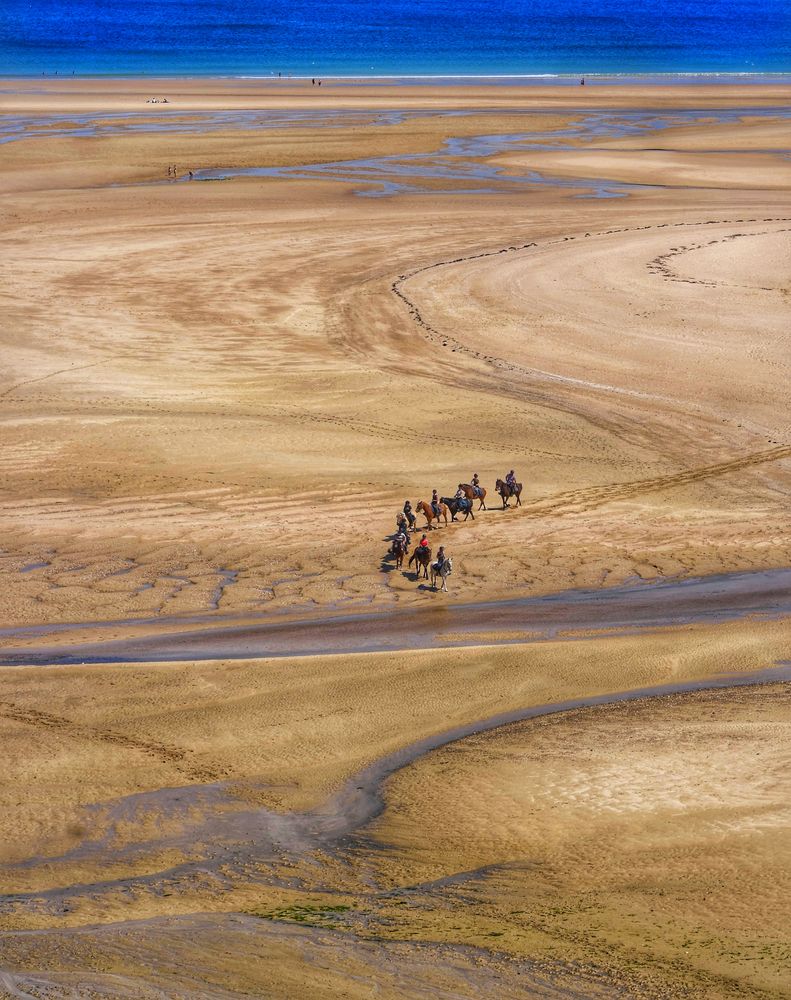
(469, 492)
(455, 507)
(507, 491)
(441, 573)
(421, 557)
(428, 512)
(399, 550)
(402, 524)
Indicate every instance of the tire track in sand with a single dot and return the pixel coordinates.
(164, 753)
(43, 378)
(580, 501)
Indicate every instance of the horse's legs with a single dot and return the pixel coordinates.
(518, 500)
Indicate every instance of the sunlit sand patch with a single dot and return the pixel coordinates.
(644, 831)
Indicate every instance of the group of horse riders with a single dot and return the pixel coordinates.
(406, 519)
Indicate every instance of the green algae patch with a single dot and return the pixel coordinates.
(310, 916)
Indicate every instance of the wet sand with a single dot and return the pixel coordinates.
(217, 394)
(577, 614)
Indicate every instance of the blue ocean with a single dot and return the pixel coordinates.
(399, 38)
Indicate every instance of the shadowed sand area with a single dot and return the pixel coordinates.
(285, 767)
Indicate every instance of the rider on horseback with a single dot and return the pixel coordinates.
(408, 513)
(476, 485)
(423, 543)
(441, 557)
(510, 480)
(435, 504)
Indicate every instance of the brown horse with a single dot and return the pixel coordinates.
(428, 512)
(470, 494)
(507, 491)
(399, 551)
(421, 557)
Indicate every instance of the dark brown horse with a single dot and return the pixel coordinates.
(469, 492)
(428, 512)
(421, 557)
(399, 551)
(507, 491)
(461, 506)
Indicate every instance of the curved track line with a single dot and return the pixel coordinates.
(660, 264)
(446, 340)
(43, 378)
(596, 496)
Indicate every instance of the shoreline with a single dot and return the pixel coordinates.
(61, 94)
(661, 77)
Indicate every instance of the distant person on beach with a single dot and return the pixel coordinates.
(582, 82)
(191, 174)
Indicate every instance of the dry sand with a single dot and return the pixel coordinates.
(180, 358)
(215, 397)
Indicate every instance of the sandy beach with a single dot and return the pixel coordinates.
(215, 396)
